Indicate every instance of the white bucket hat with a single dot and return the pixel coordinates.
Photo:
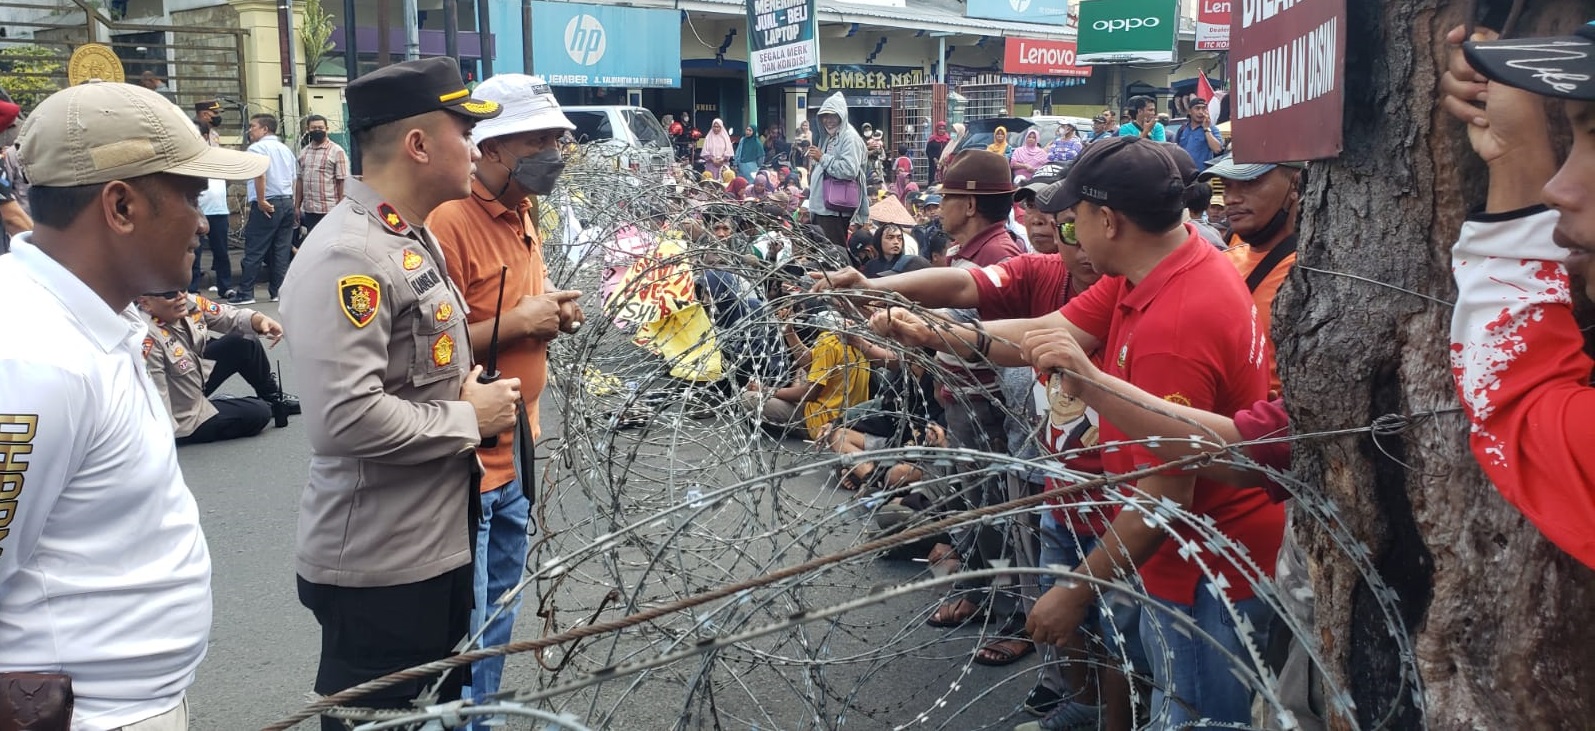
(528, 103)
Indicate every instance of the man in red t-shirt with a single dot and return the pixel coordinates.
(1173, 318)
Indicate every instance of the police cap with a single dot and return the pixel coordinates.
(409, 89)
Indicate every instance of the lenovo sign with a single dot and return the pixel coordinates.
(1041, 58)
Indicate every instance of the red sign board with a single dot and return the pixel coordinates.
(1041, 58)
(1212, 24)
(1287, 79)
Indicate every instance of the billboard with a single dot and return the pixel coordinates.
(1287, 80)
(1212, 24)
(605, 45)
(1041, 58)
(1045, 12)
(1127, 31)
(782, 43)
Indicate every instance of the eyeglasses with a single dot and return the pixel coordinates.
(167, 295)
(1066, 234)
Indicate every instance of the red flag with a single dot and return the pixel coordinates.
(1203, 88)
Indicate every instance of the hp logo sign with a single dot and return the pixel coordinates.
(585, 40)
(1019, 6)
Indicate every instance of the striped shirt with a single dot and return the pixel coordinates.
(320, 168)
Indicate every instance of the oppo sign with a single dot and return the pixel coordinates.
(1117, 24)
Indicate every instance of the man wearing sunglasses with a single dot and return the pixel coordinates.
(194, 346)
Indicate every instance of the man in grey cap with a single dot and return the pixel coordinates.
(394, 409)
(104, 573)
(1263, 203)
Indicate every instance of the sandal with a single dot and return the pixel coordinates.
(955, 613)
(944, 560)
(854, 480)
(1011, 645)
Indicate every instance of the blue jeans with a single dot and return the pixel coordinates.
(1062, 546)
(501, 544)
(268, 240)
(1192, 670)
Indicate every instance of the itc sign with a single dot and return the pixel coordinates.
(1041, 58)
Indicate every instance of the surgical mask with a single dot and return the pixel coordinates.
(318, 136)
(216, 121)
(537, 173)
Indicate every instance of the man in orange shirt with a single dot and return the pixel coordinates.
(494, 231)
(1263, 206)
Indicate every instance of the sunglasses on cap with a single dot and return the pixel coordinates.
(1066, 234)
(167, 295)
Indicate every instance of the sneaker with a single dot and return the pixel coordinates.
(239, 298)
(213, 288)
(275, 298)
(1069, 716)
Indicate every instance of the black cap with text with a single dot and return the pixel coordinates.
(1124, 173)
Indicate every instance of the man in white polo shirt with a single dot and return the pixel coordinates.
(104, 574)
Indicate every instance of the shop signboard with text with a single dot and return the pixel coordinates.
(1127, 31)
(1045, 12)
(1287, 87)
(605, 45)
(783, 44)
(1041, 58)
(1212, 24)
(864, 86)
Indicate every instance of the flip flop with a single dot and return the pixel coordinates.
(955, 620)
(1003, 652)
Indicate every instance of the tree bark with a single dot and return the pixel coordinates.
(1500, 619)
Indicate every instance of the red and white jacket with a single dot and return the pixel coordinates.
(1518, 361)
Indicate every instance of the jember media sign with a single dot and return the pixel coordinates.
(1041, 58)
(1287, 88)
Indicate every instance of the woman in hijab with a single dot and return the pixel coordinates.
(1066, 146)
(840, 159)
(761, 187)
(1028, 157)
(934, 148)
(736, 188)
(717, 150)
(801, 143)
(952, 146)
(750, 152)
(999, 141)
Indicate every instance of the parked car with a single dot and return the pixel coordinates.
(631, 134)
(1048, 126)
(978, 134)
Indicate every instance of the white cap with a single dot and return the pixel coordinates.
(528, 103)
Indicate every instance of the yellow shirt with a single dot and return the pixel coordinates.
(843, 375)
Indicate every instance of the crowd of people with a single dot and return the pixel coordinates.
(1078, 301)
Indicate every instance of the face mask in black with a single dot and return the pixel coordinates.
(318, 136)
(537, 173)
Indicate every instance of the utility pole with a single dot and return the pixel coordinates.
(451, 29)
(412, 30)
(351, 71)
(484, 37)
(526, 36)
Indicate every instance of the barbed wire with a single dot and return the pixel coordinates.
(696, 570)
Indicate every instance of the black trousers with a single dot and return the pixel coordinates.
(835, 228)
(216, 242)
(367, 633)
(241, 355)
(235, 418)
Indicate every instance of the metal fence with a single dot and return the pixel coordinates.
(915, 111)
(987, 100)
(190, 62)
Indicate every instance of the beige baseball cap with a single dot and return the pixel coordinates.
(102, 131)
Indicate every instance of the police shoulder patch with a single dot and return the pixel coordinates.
(411, 261)
(149, 344)
(360, 297)
(391, 219)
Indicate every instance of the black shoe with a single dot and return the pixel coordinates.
(288, 402)
(241, 298)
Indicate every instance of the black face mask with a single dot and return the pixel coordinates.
(317, 136)
(216, 120)
(537, 173)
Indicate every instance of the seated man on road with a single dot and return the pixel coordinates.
(193, 347)
(837, 378)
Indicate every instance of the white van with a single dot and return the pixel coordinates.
(632, 134)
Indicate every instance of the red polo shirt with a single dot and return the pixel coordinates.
(1033, 285)
(992, 245)
(1188, 333)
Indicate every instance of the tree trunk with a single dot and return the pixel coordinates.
(1500, 619)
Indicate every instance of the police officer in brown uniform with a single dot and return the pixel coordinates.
(194, 346)
(391, 401)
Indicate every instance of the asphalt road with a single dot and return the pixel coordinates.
(874, 668)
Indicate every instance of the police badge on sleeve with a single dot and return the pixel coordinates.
(360, 297)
